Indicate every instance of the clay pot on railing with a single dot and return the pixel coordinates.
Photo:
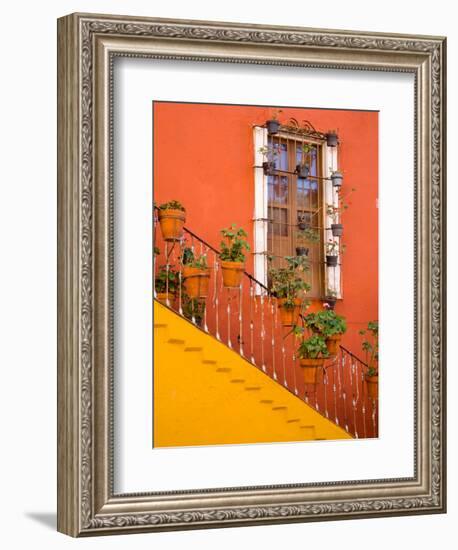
(333, 342)
(331, 261)
(273, 126)
(289, 314)
(372, 386)
(269, 168)
(330, 301)
(310, 369)
(332, 139)
(302, 171)
(232, 273)
(302, 251)
(337, 229)
(166, 298)
(172, 222)
(337, 179)
(196, 281)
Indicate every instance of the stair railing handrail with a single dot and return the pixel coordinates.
(335, 398)
(344, 349)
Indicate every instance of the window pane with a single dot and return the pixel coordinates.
(278, 218)
(278, 189)
(309, 158)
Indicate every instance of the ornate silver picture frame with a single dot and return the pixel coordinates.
(87, 46)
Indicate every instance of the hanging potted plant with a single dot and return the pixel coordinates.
(337, 178)
(172, 216)
(271, 153)
(166, 284)
(232, 255)
(302, 222)
(303, 169)
(330, 299)
(308, 235)
(329, 325)
(332, 253)
(288, 286)
(332, 139)
(371, 379)
(196, 274)
(334, 213)
(312, 354)
(370, 347)
(273, 124)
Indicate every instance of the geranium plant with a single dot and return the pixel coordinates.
(326, 322)
(287, 284)
(232, 255)
(313, 348)
(234, 244)
(172, 216)
(370, 344)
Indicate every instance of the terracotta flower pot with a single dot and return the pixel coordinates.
(289, 316)
(372, 386)
(232, 274)
(166, 298)
(310, 369)
(196, 281)
(172, 222)
(333, 342)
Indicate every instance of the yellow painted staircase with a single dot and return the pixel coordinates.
(207, 394)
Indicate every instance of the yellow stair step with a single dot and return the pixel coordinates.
(212, 396)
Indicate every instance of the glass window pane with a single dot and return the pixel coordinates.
(278, 218)
(278, 189)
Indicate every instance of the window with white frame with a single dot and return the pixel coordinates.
(293, 193)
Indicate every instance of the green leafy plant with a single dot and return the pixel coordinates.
(172, 205)
(275, 114)
(308, 235)
(190, 259)
(370, 345)
(287, 282)
(313, 348)
(326, 323)
(306, 149)
(167, 279)
(270, 152)
(332, 247)
(193, 309)
(234, 244)
(371, 371)
(336, 211)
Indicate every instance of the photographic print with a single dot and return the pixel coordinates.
(233, 198)
(265, 231)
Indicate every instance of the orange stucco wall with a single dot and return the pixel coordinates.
(203, 157)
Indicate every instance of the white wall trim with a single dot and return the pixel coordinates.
(260, 214)
(333, 275)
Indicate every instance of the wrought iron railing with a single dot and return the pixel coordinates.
(247, 320)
